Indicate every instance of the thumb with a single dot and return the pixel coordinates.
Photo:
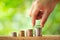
(34, 14)
(44, 18)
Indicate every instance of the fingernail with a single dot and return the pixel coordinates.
(32, 25)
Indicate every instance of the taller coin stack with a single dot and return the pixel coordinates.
(37, 29)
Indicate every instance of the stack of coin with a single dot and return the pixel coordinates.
(14, 34)
(29, 33)
(38, 31)
(21, 34)
(37, 28)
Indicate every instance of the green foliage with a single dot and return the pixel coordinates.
(14, 17)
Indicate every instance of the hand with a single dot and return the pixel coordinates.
(41, 9)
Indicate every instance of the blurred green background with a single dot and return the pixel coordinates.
(14, 16)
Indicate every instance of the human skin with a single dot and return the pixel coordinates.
(41, 9)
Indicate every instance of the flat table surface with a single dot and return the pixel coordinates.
(44, 37)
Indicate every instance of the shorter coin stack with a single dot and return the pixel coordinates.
(14, 34)
(29, 33)
(21, 34)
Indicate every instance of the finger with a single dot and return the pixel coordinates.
(34, 15)
(44, 18)
(33, 20)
